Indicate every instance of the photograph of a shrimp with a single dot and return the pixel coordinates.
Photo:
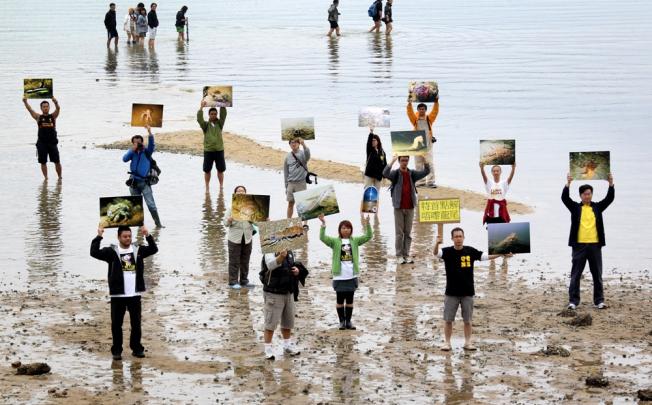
(406, 143)
(147, 114)
(276, 236)
(509, 238)
(118, 211)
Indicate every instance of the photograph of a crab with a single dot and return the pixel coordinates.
(119, 211)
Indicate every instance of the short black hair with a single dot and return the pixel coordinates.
(404, 156)
(137, 137)
(237, 187)
(184, 8)
(141, 5)
(44, 102)
(153, 4)
(210, 110)
(112, 4)
(457, 229)
(422, 105)
(585, 187)
(123, 228)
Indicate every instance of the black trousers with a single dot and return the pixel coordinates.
(591, 252)
(119, 306)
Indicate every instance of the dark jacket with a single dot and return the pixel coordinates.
(376, 160)
(152, 19)
(281, 280)
(110, 255)
(396, 178)
(575, 209)
(180, 19)
(109, 20)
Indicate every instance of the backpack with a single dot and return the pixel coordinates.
(372, 10)
(154, 170)
(265, 274)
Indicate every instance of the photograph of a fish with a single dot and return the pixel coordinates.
(276, 236)
(316, 200)
(509, 238)
(497, 151)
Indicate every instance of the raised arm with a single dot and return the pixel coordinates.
(222, 117)
(150, 248)
(511, 174)
(611, 193)
(200, 116)
(387, 171)
(369, 139)
(328, 241)
(484, 175)
(150, 141)
(565, 197)
(306, 151)
(410, 113)
(96, 252)
(432, 116)
(368, 233)
(29, 109)
(55, 114)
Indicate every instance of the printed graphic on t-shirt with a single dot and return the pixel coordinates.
(127, 260)
(465, 261)
(345, 253)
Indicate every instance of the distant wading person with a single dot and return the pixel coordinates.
(129, 26)
(404, 199)
(152, 23)
(388, 20)
(126, 284)
(345, 266)
(460, 289)
(140, 166)
(141, 25)
(376, 13)
(110, 24)
(180, 23)
(496, 209)
(586, 239)
(213, 142)
(239, 241)
(424, 122)
(333, 18)
(295, 170)
(46, 143)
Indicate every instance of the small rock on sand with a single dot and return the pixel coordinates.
(33, 369)
(597, 381)
(567, 313)
(555, 351)
(645, 395)
(16, 364)
(581, 320)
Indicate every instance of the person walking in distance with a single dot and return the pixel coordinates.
(333, 18)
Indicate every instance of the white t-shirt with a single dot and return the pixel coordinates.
(128, 272)
(496, 191)
(346, 262)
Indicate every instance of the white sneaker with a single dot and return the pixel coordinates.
(291, 349)
(571, 306)
(235, 286)
(601, 305)
(403, 260)
(269, 352)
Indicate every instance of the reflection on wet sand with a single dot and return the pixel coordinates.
(454, 392)
(212, 254)
(44, 246)
(111, 64)
(333, 56)
(381, 56)
(346, 376)
(182, 57)
(135, 383)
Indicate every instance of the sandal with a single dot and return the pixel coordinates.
(446, 348)
(470, 348)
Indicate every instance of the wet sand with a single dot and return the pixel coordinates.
(248, 152)
(204, 342)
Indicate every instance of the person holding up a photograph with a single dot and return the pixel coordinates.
(141, 25)
(424, 122)
(376, 161)
(180, 23)
(404, 199)
(295, 170)
(213, 142)
(126, 284)
(240, 237)
(458, 260)
(388, 20)
(140, 166)
(110, 24)
(586, 238)
(346, 265)
(152, 23)
(46, 143)
(376, 12)
(496, 210)
(333, 18)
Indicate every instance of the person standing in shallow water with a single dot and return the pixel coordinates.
(345, 266)
(46, 144)
(110, 24)
(388, 20)
(377, 15)
(213, 142)
(180, 23)
(586, 238)
(333, 18)
(240, 243)
(126, 284)
(152, 23)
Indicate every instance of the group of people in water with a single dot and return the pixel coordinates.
(139, 24)
(376, 12)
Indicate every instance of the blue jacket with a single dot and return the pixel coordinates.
(140, 164)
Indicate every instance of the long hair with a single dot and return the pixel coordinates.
(344, 223)
(380, 143)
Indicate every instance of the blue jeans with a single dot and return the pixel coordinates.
(140, 187)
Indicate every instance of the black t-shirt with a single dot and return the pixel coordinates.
(180, 19)
(459, 270)
(47, 132)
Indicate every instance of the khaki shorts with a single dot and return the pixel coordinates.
(278, 308)
(293, 187)
(450, 307)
